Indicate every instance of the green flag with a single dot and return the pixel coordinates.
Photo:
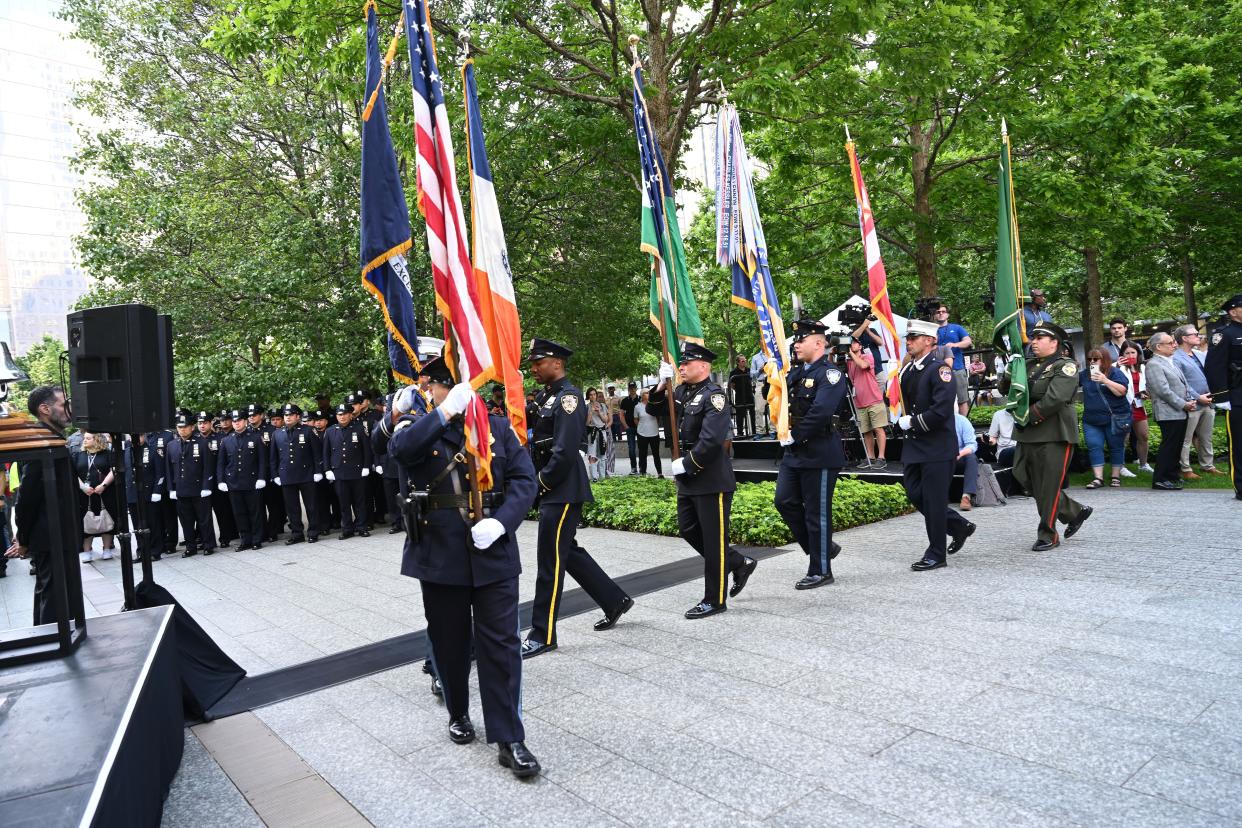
(1009, 335)
(673, 309)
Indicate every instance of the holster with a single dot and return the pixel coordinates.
(412, 512)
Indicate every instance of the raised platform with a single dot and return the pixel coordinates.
(94, 738)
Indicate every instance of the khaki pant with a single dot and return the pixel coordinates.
(1199, 429)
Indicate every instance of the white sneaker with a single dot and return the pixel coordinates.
(1124, 472)
(106, 555)
(84, 557)
(1146, 467)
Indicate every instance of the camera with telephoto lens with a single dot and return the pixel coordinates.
(926, 307)
(839, 347)
(853, 315)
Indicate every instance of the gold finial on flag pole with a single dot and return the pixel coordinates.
(847, 133)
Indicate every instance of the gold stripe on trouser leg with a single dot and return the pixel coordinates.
(1233, 467)
(556, 575)
(720, 503)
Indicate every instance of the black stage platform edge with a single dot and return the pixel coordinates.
(94, 738)
(349, 665)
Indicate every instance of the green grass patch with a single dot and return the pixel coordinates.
(1208, 481)
(649, 504)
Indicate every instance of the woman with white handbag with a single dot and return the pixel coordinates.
(94, 469)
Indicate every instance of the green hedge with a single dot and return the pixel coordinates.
(649, 504)
(981, 416)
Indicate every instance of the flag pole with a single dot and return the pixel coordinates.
(675, 448)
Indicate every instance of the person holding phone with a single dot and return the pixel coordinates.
(1105, 407)
(1131, 364)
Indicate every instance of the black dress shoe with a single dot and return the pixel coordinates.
(532, 648)
(437, 687)
(703, 609)
(960, 536)
(461, 730)
(836, 550)
(812, 581)
(244, 547)
(153, 558)
(312, 539)
(610, 618)
(210, 551)
(394, 529)
(346, 535)
(1075, 525)
(189, 553)
(515, 757)
(1045, 545)
(295, 539)
(927, 564)
(364, 534)
(257, 546)
(741, 575)
(1167, 486)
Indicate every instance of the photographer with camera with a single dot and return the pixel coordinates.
(871, 342)
(869, 403)
(954, 337)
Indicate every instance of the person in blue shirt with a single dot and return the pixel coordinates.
(954, 337)
(1104, 406)
(967, 460)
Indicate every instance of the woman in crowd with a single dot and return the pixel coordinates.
(599, 435)
(1131, 364)
(1105, 410)
(94, 479)
(648, 437)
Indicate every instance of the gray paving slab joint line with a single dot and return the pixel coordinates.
(318, 674)
(281, 788)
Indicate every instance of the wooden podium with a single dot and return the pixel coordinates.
(25, 440)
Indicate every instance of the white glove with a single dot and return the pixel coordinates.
(365, 471)
(332, 476)
(679, 466)
(1224, 406)
(486, 532)
(458, 398)
(667, 371)
(905, 422)
(788, 441)
(260, 484)
(156, 497)
(205, 493)
(379, 469)
(406, 399)
(172, 495)
(318, 478)
(275, 480)
(224, 487)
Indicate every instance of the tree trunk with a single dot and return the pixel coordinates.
(1188, 289)
(924, 240)
(856, 282)
(1092, 308)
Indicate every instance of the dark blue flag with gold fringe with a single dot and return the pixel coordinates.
(386, 238)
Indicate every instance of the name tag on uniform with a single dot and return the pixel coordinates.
(354, 438)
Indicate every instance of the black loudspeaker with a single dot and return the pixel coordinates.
(120, 369)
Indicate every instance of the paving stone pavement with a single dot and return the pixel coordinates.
(1097, 684)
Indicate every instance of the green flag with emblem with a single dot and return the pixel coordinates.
(1008, 334)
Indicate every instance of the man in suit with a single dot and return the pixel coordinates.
(1046, 443)
(559, 431)
(1171, 400)
(467, 564)
(929, 444)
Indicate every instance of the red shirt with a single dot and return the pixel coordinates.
(866, 389)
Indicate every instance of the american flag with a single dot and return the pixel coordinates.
(457, 297)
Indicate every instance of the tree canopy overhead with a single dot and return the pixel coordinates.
(226, 191)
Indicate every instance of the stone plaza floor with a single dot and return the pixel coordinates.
(1097, 684)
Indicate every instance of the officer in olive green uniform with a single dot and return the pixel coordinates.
(1047, 442)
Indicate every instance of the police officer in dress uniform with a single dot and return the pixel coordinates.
(368, 417)
(273, 500)
(325, 489)
(1046, 443)
(347, 463)
(387, 466)
(220, 504)
(1223, 368)
(152, 493)
(191, 480)
(704, 474)
(467, 564)
(929, 444)
(241, 471)
(813, 454)
(158, 441)
(559, 432)
(297, 465)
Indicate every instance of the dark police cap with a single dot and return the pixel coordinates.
(344, 408)
(203, 417)
(1234, 302)
(362, 394)
(437, 370)
(254, 410)
(352, 399)
(808, 325)
(227, 415)
(692, 351)
(184, 418)
(237, 414)
(1048, 329)
(275, 412)
(292, 408)
(545, 348)
(317, 414)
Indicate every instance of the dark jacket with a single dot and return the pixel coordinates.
(297, 455)
(559, 435)
(815, 394)
(424, 445)
(242, 461)
(346, 451)
(704, 425)
(929, 397)
(190, 471)
(1223, 365)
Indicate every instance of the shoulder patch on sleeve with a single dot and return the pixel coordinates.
(946, 373)
(1217, 337)
(569, 403)
(1069, 369)
(834, 376)
(718, 401)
